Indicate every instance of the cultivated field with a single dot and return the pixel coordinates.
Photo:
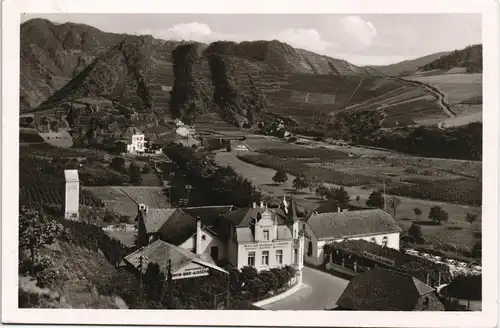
(463, 92)
(417, 182)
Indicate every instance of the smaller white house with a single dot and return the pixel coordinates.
(185, 131)
(372, 225)
(138, 141)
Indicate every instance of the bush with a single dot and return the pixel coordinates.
(465, 287)
(50, 278)
(146, 169)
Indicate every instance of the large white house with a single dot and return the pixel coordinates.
(256, 236)
(372, 225)
(265, 238)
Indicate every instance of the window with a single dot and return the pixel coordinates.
(265, 258)
(384, 242)
(303, 226)
(251, 259)
(266, 234)
(309, 248)
(203, 237)
(279, 256)
(295, 256)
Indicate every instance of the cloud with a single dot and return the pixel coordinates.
(308, 39)
(191, 32)
(363, 31)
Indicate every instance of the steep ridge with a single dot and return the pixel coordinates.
(137, 80)
(51, 55)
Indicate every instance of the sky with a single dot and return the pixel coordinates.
(362, 39)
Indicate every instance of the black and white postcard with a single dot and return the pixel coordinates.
(283, 163)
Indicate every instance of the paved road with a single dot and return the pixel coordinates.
(321, 291)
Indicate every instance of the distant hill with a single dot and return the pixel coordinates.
(407, 66)
(97, 84)
(470, 58)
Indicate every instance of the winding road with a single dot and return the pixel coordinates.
(321, 291)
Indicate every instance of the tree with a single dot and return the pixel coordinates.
(438, 215)
(417, 211)
(54, 126)
(394, 203)
(299, 183)
(134, 172)
(280, 177)
(322, 191)
(376, 199)
(120, 147)
(36, 230)
(469, 217)
(416, 232)
(118, 164)
(340, 195)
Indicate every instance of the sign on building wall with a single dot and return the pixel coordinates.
(191, 270)
(264, 246)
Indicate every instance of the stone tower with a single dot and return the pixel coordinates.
(71, 200)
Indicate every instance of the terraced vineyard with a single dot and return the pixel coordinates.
(48, 151)
(39, 185)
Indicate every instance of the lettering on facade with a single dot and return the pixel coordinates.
(264, 246)
(378, 258)
(190, 273)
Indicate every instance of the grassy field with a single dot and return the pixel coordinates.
(124, 200)
(456, 231)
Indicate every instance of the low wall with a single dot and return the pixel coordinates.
(340, 269)
(279, 297)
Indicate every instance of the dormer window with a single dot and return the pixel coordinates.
(266, 235)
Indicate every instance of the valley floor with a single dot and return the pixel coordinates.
(456, 231)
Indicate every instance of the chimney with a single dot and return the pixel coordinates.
(261, 204)
(338, 209)
(143, 208)
(198, 236)
(254, 205)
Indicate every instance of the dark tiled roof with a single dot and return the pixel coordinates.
(352, 223)
(383, 290)
(179, 227)
(155, 218)
(209, 214)
(332, 206)
(159, 252)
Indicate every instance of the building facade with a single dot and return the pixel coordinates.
(265, 238)
(372, 225)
